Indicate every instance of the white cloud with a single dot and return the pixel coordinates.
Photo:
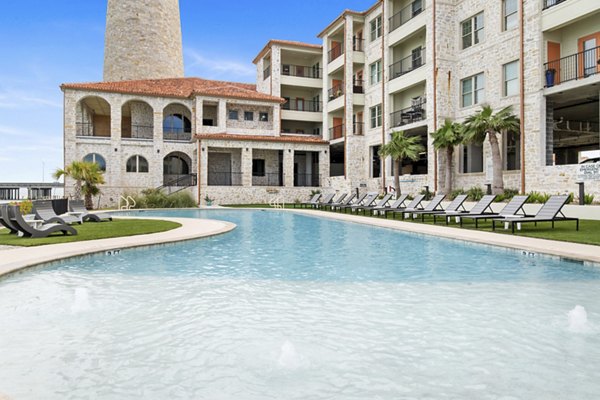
(12, 99)
(219, 68)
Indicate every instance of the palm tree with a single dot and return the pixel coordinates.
(448, 136)
(401, 147)
(485, 122)
(87, 177)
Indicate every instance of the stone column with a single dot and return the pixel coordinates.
(288, 167)
(246, 166)
(114, 158)
(323, 166)
(198, 112)
(222, 116)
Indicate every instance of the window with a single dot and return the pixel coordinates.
(177, 123)
(510, 11)
(472, 31)
(472, 89)
(248, 116)
(263, 117)
(96, 158)
(510, 72)
(375, 162)
(512, 151)
(472, 158)
(375, 116)
(137, 164)
(375, 69)
(376, 28)
(258, 167)
(233, 115)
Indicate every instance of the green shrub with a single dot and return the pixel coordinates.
(428, 195)
(537, 197)
(588, 199)
(570, 198)
(475, 193)
(456, 192)
(25, 206)
(156, 198)
(314, 191)
(507, 195)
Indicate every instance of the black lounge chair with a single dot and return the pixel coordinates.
(343, 201)
(397, 204)
(432, 206)
(5, 220)
(312, 202)
(44, 230)
(453, 207)
(43, 210)
(550, 212)
(337, 201)
(367, 202)
(327, 199)
(358, 201)
(381, 205)
(415, 204)
(479, 208)
(513, 208)
(77, 207)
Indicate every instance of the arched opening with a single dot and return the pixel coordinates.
(137, 164)
(93, 117)
(176, 170)
(96, 158)
(177, 123)
(137, 120)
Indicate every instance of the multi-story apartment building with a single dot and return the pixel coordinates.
(319, 114)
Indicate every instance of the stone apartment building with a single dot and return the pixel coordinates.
(318, 114)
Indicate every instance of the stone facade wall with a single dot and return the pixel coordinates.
(143, 40)
(255, 124)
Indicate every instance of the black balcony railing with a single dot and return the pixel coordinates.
(301, 71)
(358, 86)
(406, 14)
(177, 135)
(303, 105)
(406, 116)
(173, 180)
(142, 131)
(336, 132)
(88, 129)
(267, 72)
(358, 128)
(358, 44)
(408, 64)
(304, 180)
(268, 179)
(224, 178)
(551, 3)
(575, 66)
(335, 52)
(336, 91)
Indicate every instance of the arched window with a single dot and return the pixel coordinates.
(137, 164)
(175, 165)
(96, 158)
(177, 123)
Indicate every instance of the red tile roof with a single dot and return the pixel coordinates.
(285, 43)
(259, 138)
(178, 87)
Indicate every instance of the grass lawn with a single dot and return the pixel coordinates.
(92, 231)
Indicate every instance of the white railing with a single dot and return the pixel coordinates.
(129, 203)
(277, 202)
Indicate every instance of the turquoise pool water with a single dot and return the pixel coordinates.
(294, 307)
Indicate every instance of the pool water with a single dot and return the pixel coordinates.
(294, 307)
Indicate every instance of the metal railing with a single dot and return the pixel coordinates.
(358, 44)
(335, 52)
(406, 14)
(358, 86)
(268, 179)
(336, 132)
(301, 71)
(306, 180)
(88, 129)
(176, 134)
(224, 178)
(415, 113)
(176, 180)
(336, 91)
(303, 105)
(142, 131)
(551, 3)
(408, 64)
(575, 66)
(267, 72)
(358, 128)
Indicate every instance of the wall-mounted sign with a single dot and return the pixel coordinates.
(588, 172)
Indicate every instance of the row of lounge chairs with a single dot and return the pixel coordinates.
(46, 221)
(512, 214)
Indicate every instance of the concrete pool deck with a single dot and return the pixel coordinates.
(574, 251)
(16, 258)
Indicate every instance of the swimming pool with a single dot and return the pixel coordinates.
(294, 307)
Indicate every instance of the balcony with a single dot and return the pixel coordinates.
(301, 71)
(358, 44)
(303, 105)
(575, 66)
(408, 64)
(224, 178)
(335, 91)
(141, 132)
(406, 14)
(335, 52)
(358, 128)
(551, 3)
(267, 72)
(306, 180)
(88, 129)
(268, 179)
(177, 135)
(336, 132)
(358, 86)
(416, 112)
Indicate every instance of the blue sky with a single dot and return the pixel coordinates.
(45, 43)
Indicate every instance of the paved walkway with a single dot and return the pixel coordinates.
(17, 258)
(576, 251)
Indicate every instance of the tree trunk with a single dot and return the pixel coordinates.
(77, 188)
(448, 183)
(397, 174)
(497, 181)
(89, 204)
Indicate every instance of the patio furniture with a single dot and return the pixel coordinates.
(5, 220)
(514, 206)
(312, 202)
(368, 201)
(327, 199)
(43, 210)
(382, 204)
(77, 207)
(358, 201)
(453, 207)
(343, 202)
(398, 203)
(45, 230)
(479, 208)
(550, 212)
(432, 206)
(413, 205)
